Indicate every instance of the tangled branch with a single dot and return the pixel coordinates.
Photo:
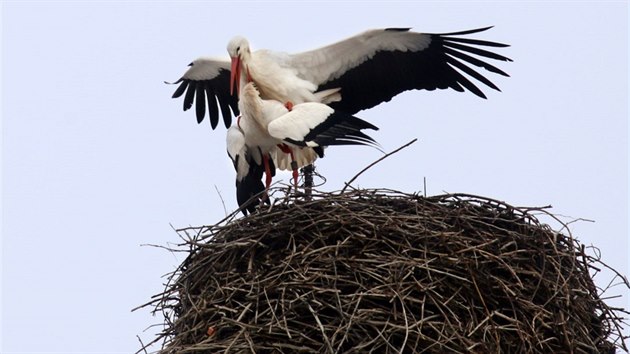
(387, 272)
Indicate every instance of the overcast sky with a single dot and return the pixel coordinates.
(97, 159)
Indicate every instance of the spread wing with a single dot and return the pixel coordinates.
(207, 84)
(376, 65)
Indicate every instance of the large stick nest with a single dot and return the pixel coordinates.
(386, 272)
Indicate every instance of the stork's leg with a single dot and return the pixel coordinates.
(267, 172)
(294, 167)
(289, 105)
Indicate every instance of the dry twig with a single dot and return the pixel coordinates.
(387, 272)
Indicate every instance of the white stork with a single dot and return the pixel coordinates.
(366, 70)
(268, 134)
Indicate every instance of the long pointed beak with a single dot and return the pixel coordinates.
(235, 75)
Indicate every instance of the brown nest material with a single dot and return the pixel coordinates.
(378, 271)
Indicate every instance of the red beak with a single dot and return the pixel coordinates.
(235, 75)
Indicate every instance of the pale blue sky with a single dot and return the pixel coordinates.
(97, 159)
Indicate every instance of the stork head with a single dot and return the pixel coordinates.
(238, 49)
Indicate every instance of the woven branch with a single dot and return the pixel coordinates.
(386, 272)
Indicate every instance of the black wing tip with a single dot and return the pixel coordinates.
(196, 92)
(319, 151)
(398, 29)
(448, 37)
(347, 130)
(250, 205)
(457, 56)
(460, 33)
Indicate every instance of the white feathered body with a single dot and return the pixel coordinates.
(266, 123)
(276, 80)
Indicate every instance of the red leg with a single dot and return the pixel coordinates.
(267, 171)
(284, 148)
(289, 105)
(295, 169)
(287, 150)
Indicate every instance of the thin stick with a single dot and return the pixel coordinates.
(222, 201)
(375, 162)
(144, 347)
(321, 328)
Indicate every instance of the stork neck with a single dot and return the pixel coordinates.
(248, 76)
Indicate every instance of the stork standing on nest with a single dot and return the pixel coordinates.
(353, 74)
(270, 134)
